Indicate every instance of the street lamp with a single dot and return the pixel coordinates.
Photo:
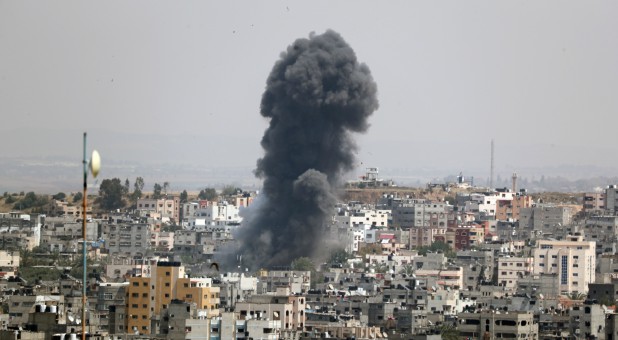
(94, 165)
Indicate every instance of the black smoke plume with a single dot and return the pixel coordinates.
(316, 95)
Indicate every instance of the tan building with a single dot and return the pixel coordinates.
(64, 208)
(451, 277)
(573, 260)
(511, 269)
(163, 208)
(283, 306)
(150, 297)
(9, 259)
(139, 305)
(508, 210)
(201, 292)
(497, 325)
(425, 236)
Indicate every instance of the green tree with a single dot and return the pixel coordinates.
(339, 256)
(10, 200)
(438, 246)
(156, 192)
(184, 196)
(449, 332)
(370, 248)
(31, 200)
(166, 186)
(78, 197)
(138, 186)
(110, 194)
(303, 264)
(209, 194)
(127, 186)
(59, 196)
(230, 190)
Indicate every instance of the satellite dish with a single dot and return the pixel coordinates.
(78, 321)
(95, 163)
(71, 318)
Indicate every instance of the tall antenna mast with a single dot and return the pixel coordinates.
(491, 170)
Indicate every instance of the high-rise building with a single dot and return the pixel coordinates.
(572, 260)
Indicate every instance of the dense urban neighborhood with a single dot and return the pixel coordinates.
(450, 261)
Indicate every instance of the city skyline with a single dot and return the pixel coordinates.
(159, 83)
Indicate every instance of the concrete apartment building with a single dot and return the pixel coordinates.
(213, 215)
(295, 280)
(425, 236)
(64, 208)
(593, 202)
(183, 320)
(511, 269)
(573, 260)
(164, 209)
(419, 213)
(147, 296)
(496, 325)
(464, 237)
(544, 218)
(509, 209)
(282, 306)
(361, 217)
(447, 278)
(201, 292)
(128, 239)
(611, 199)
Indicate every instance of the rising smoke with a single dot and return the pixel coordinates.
(316, 95)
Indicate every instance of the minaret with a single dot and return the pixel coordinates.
(491, 170)
(514, 182)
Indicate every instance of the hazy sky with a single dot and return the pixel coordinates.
(540, 77)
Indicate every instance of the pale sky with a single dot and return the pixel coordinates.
(540, 77)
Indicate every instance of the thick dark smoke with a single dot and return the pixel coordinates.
(316, 94)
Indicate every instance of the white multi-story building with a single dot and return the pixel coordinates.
(213, 215)
(573, 260)
(368, 217)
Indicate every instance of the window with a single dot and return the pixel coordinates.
(565, 270)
